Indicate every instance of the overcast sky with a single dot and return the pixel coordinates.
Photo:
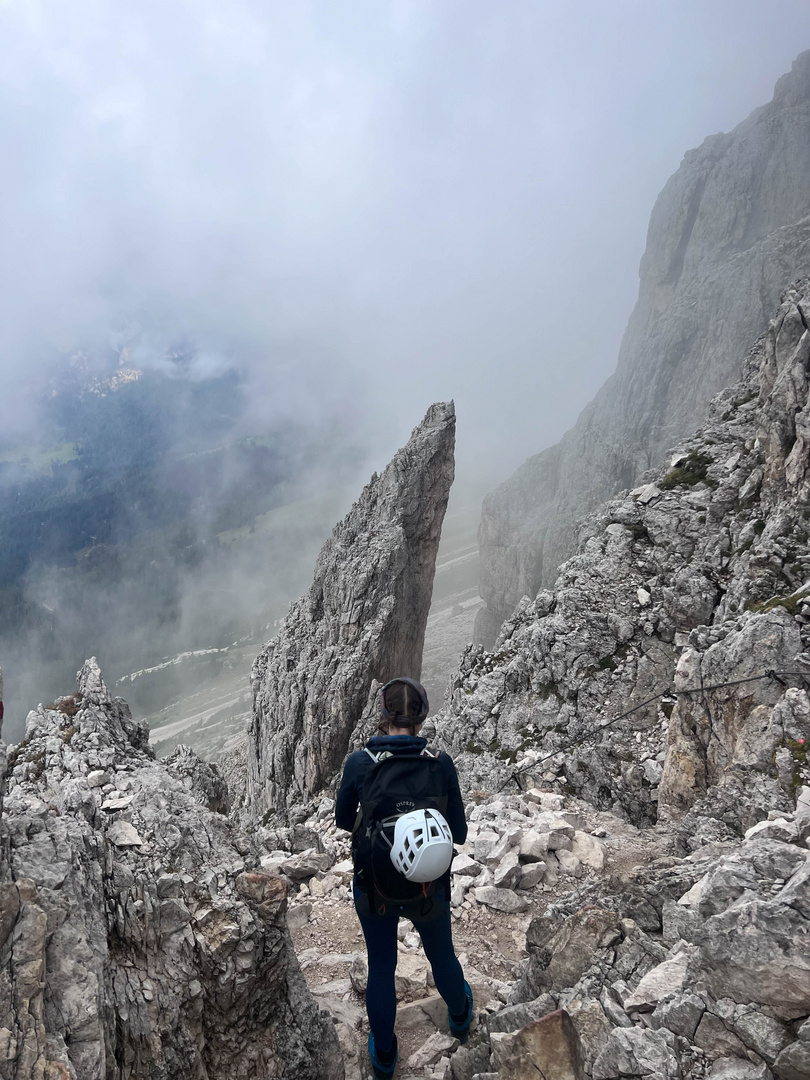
(367, 205)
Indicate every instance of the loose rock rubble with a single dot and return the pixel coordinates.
(634, 970)
(712, 980)
(517, 842)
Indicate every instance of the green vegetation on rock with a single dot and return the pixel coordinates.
(790, 603)
(691, 471)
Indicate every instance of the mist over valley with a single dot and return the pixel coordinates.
(150, 523)
(250, 247)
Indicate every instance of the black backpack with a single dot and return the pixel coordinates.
(394, 785)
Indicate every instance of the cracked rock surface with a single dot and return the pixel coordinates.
(699, 576)
(139, 936)
(361, 623)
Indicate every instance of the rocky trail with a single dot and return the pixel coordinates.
(500, 884)
(630, 940)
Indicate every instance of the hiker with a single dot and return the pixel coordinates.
(425, 817)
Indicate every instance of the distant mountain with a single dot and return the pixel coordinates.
(728, 232)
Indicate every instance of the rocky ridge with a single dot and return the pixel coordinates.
(729, 229)
(138, 934)
(699, 576)
(361, 623)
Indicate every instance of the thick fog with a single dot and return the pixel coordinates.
(367, 205)
(302, 223)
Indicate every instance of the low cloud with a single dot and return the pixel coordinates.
(353, 209)
(372, 205)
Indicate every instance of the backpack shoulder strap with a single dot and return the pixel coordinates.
(359, 818)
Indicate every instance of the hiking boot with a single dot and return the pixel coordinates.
(461, 1028)
(382, 1071)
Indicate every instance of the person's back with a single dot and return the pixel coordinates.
(404, 706)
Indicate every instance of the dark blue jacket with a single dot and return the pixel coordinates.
(358, 764)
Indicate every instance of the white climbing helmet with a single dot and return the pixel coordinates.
(423, 845)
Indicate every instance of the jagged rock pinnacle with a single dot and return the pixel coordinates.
(139, 935)
(363, 619)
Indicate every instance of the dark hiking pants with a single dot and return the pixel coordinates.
(380, 932)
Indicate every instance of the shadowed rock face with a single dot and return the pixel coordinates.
(363, 619)
(729, 230)
(138, 936)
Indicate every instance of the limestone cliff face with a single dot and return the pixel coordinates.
(699, 576)
(138, 936)
(729, 230)
(362, 620)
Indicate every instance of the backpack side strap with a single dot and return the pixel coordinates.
(375, 758)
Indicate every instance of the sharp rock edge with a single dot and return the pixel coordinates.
(361, 623)
(139, 936)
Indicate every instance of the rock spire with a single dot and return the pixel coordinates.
(363, 619)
